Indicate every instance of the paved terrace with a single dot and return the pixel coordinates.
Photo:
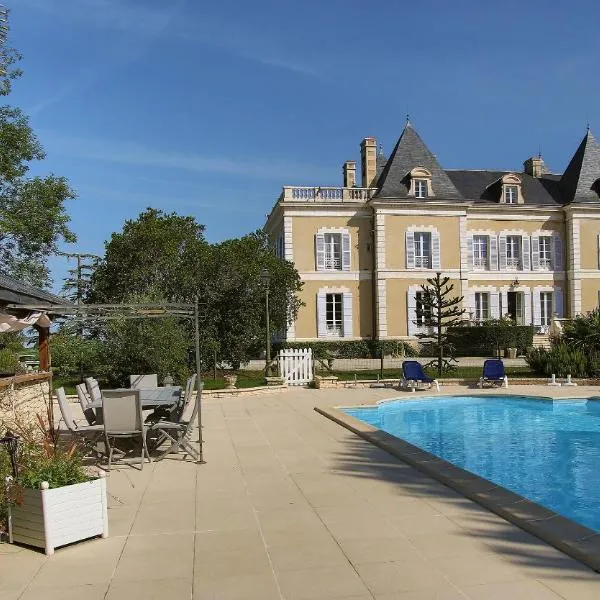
(291, 505)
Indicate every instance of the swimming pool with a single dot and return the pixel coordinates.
(548, 452)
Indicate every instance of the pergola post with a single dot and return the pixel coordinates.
(44, 347)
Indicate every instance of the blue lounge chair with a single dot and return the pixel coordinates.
(413, 375)
(493, 372)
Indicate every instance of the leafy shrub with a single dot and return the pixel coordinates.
(352, 348)
(561, 359)
(71, 352)
(484, 340)
(9, 361)
(583, 332)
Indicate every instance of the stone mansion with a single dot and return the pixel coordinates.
(523, 244)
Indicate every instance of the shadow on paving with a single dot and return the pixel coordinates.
(364, 460)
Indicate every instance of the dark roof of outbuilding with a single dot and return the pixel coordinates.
(411, 152)
(583, 171)
(13, 291)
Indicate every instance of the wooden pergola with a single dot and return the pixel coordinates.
(16, 298)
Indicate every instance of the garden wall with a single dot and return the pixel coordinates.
(22, 397)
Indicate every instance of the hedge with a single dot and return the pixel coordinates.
(484, 340)
(352, 348)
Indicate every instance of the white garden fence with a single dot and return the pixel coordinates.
(296, 365)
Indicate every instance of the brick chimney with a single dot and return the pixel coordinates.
(349, 171)
(368, 161)
(535, 166)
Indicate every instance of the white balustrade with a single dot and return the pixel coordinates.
(326, 194)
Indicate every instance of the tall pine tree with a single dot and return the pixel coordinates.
(438, 310)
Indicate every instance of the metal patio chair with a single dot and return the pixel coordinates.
(143, 382)
(85, 403)
(87, 434)
(93, 389)
(179, 433)
(122, 415)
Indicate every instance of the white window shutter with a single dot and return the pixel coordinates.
(526, 249)
(535, 252)
(495, 305)
(435, 250)
(558, 303)
(504, 303)
(321, 315)
(320, 251)
(493, 253)
(470, 252)
(471, 303)
(411, 312)
(347, 312)
(558, 253)
(410, 249)
(502, 252)
(527, 307)
(537, 310)
(345, 251)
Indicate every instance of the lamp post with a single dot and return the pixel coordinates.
(265, 277)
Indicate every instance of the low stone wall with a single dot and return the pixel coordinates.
(253, 391)
(22, 397)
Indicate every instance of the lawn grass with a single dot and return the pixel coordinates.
(245, 379)
(473, 373)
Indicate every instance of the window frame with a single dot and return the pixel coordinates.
(511, 193)
(327, 259)
(546, 263)
(482, 309)
(421, 187)
(422, 316)
(546, 308)
(334, 326)
(479, 261)
(512, 261)
(423, 260)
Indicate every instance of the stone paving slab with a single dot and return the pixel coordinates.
(291, 505)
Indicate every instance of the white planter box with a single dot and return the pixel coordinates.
(48, 518)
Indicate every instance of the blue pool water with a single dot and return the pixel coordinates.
(548, 452)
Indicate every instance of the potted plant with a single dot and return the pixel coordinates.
(51, 499)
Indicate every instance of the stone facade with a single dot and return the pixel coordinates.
(22, 398)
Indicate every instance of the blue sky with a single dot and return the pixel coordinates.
(207, 109)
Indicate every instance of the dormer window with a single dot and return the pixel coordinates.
(512, 192)
(420, 188)
(419, 183)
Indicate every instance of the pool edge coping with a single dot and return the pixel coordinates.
(575, 540)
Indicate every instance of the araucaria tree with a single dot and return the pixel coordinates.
(439, 309)
(32, 216)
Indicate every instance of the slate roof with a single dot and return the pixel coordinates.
(411, 152)
(583, 171)
(13, 291)
(478, 185)
(575, 185)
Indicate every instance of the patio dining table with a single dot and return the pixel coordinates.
(151, 397)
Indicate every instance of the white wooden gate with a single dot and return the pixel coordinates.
(296, 365)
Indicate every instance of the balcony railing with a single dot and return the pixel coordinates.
(480, 263)
(546, 264)
(325, 194)
(422, 262)
(513, 262)
(333, 263)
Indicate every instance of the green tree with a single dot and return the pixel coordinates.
(33, 219)
(440, 310)
(165, 256)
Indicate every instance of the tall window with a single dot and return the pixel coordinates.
(513, 251)
(420, 188)
(546, 308)
(422, 249)
(482, 306)
(423, 313)
(480, 252)
(333, 251)
(545, 243)
(511, 194)
(334, 314)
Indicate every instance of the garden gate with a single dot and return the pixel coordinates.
(296, 365)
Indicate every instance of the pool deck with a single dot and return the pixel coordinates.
(292, 505)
